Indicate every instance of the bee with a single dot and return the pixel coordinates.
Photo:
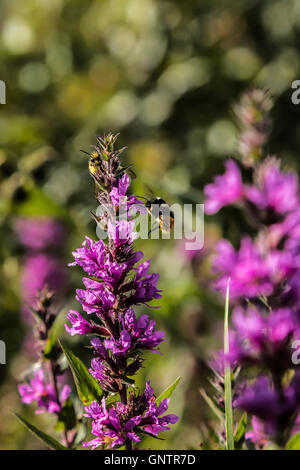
(163, 214)
(95, 163)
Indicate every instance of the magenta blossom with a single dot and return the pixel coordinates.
(119, 198)
(38, 233)
(257, 434)
(136, 334)
(80, 326)
(43, 393)
(275, 408)
(264, 339)
(123, 422)
(40, 270)
(226, 189)
(115, 281)
(248, 273)
(275, 191)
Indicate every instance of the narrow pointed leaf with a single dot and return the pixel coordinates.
(218, 413)
(239, 435)
(49, 441)
(168, 392)
(87, 386)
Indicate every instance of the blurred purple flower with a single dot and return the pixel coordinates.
(226, 189)
(274, 191)
(43, 393)
(39, 233)
(263, 339)
(275, 408)
(257, 434)
(248, 273)
(40, 270)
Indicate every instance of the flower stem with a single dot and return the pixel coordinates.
(54, 381)
(123, 396)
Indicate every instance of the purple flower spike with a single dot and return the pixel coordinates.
(115, 282)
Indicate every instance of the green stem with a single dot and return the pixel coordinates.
(227, 376)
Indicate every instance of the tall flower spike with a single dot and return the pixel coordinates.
(115, 282)
(265, 274)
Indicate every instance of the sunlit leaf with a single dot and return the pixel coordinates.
(168, 392)
(87, 386)
(49, 441)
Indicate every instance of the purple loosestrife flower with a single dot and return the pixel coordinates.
(46, 386)
(257, 435)
(40, 270)
(41, 267)
(39, 233)
(136, 334)
(253, 271)
(40, 391)
(126, 421)
(80, 326)
(273, 191)
(226, 189)
(275, 408)
(265, 272)
(115, 281)
(120, 199)
(262, 339)
(248, 274)
(96, 298)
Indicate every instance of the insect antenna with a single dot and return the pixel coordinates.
(84, 151)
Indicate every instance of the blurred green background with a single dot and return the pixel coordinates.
(165, 74)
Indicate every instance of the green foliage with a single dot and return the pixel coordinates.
(164, 74)
(294, 442)
(239, 435)
(87, 386)
(168, 392)
(66, 417)
(49, 441)
(227, 376)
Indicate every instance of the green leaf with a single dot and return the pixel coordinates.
(205, 446)
(81, 433)
(112, 398)
(45, 438)
(142, 431)
(227, 376)
(239, 435)
(168, 392)
(218, 413)
(51, 350)
(66, 417)
(87, 386)
(294, 442)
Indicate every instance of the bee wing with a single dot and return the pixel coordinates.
(150, 192)
(166, 218)
(127, 170)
